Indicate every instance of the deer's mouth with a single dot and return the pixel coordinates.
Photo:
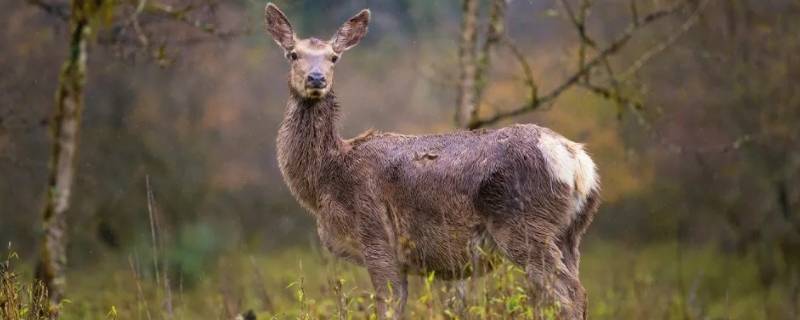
(315, 92)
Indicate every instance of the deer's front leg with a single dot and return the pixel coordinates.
(385, 271)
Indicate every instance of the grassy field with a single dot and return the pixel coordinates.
(653, 282)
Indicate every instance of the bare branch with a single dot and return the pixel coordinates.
(663, 45)
(181, 15)
(141, 39)
(575, 78)
(58, 11)
(586, 41)
(621, 101)
(618, 98)
(135, 19)
(527, 71)
(736, 144)
(634, 12)
(157, 50)
(579, 22)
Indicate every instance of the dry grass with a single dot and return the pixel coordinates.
(18, 301)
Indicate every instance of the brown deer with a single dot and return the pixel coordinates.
(402, 204)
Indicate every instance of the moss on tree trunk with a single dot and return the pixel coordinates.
(65, 128)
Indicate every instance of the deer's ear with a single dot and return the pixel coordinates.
(279, 27)
(351, 32)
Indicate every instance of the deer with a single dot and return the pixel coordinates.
(404, 205)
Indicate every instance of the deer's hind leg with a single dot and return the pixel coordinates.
(532, 244)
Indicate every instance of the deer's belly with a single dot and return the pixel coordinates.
(451, 255)
(451, 248)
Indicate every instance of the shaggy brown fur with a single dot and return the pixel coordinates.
(402, 204)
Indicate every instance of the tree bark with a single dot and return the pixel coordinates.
(494, 35)
(466, 105)
(65, 127)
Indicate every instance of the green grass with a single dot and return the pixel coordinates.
(653, 282)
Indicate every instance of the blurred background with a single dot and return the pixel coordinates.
(700, 163)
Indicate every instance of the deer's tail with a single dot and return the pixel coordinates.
(587, 197)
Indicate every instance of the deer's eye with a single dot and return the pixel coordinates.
(292, 56)
(334, 58)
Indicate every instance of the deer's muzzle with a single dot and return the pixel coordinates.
(316, 80)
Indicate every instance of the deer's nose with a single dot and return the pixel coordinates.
(316, 80)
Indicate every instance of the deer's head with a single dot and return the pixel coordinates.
(312, 60)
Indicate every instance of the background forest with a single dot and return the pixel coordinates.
(691, 109)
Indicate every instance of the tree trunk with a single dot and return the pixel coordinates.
(466, 110)
(494, 34)
(65, 126)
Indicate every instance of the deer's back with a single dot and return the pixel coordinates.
(455, 162)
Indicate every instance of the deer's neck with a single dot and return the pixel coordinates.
(307, 140)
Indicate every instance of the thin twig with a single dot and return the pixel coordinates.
(137, 27)
(579, 22)
(663, 45)
(527, 71)
(634, 12)
(615, 86)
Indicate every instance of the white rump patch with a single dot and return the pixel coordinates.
(569, 163)
(559, 161)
